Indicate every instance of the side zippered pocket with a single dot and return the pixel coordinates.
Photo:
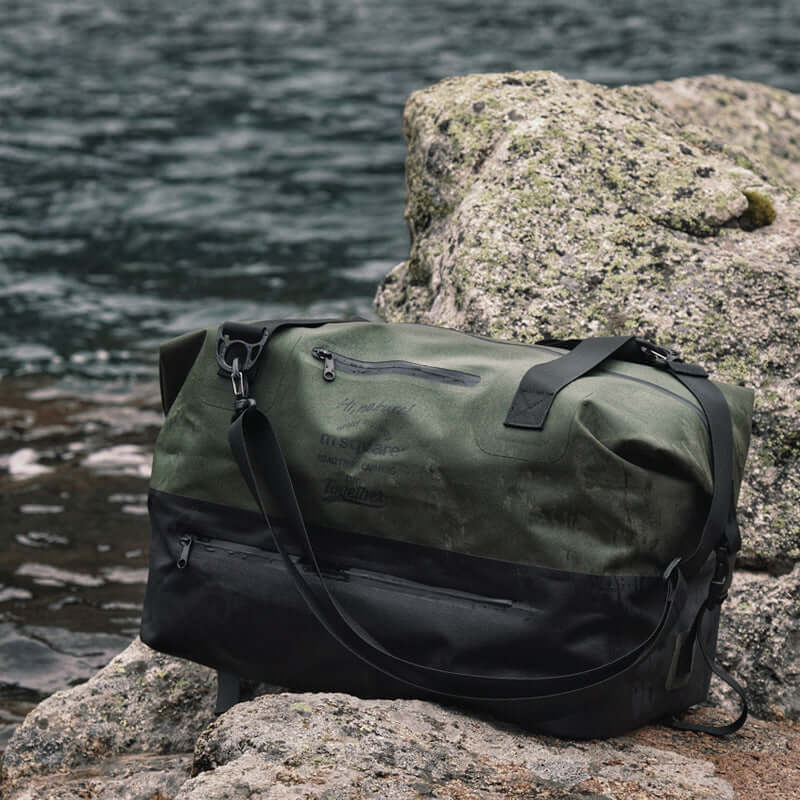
(331, 362)
(188, 545)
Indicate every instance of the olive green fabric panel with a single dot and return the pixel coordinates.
(192, 457)
(740, 402)
(176, 358)
(618, 481)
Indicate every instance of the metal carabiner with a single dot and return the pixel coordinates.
(239, 381)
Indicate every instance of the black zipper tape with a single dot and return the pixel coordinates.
(336, 361)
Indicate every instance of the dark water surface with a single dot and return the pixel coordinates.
(73, 482)
(165, 166)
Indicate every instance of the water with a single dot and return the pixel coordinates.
(73, 539)
(168, 165)
(165, 166)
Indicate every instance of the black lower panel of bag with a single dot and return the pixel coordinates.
(241, 613)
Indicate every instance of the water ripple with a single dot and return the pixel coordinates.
(161, 165)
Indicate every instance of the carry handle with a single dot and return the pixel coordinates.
(258, 454)
(542, 382)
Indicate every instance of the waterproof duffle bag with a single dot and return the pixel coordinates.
(543, 533)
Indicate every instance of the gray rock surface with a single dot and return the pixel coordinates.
(757, 124)
(334, 745)
(128, 735)
(139, 777)
(541, 207)
(139, 716)
(760, 640)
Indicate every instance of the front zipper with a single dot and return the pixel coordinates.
(413, 587)
(328, 364)
(237, 550)
(331, 362)
(389, 582)
(183, 558)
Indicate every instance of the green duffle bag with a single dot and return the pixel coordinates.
(541, 532)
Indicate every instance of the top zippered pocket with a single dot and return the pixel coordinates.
(331, 362)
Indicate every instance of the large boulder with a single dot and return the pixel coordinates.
(541, 207)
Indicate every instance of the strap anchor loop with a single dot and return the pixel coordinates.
(723, 575)
(231, 349)
(656, 354)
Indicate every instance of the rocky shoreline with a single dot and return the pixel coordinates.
(537, 207)
(143, 729)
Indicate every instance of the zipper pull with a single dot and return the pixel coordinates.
(186, 545)
(329, 367)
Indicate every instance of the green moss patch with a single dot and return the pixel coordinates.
(760, 211)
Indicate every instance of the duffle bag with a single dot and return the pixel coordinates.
(544, 533)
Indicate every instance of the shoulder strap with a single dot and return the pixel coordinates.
(257, 452)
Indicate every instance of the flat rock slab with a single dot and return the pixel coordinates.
(339, 745)
(333, 745)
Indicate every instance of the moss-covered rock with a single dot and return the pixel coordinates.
(565, 209)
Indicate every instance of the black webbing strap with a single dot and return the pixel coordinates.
(723, 674)
(721, 528)
(541, 383)
(229, 691)
(258, 453)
